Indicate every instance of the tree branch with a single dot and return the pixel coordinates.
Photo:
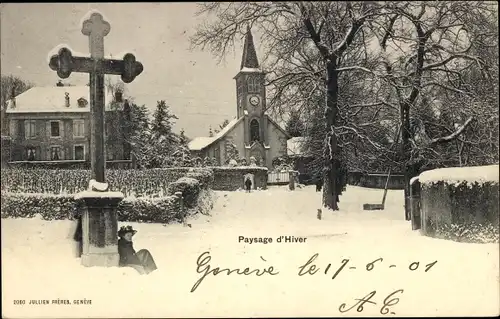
(452, 136)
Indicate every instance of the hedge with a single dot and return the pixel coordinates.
(59, 207)
(155, 209)
(149, 182)
(231, 178)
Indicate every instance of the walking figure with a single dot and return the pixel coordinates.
(319, 184)
(248, 185)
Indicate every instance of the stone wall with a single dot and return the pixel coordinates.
(232, 178)
(375, 180)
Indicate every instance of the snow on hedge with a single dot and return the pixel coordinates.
(241, 168)
(451, 175)
(94, 194)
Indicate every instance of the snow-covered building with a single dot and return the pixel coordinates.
(252, 133)
(53, 124)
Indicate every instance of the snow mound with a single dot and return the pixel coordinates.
(479, 174)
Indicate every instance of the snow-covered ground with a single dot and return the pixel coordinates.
(38, 263)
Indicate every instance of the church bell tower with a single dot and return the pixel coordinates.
(251, 94)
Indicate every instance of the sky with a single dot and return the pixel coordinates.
(200, 92)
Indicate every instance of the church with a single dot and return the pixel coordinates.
(252, 133)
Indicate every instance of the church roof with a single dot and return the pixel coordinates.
(199, 143)
(249, 59)
(51, 99)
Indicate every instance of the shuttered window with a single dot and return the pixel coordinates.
(78, 128)
(29, 129)
(55, 153)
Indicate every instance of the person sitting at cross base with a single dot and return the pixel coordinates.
(142, 260)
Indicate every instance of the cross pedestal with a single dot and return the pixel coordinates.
(100, 226)
(99, 206)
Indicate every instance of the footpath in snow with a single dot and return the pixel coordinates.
(368, 253)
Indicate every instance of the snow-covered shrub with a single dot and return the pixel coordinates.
(190, 189)
(204, 204)
(232, 163)
(150, 210)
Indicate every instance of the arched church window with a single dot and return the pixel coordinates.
(253, 84)
(254, 130)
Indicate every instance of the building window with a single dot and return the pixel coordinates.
(254, 130)
(30, 129)
(79, 152)
(30, 153)
(55, 153)
(55, 129)
(253, 84)
(78, 128)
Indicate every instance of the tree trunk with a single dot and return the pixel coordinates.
(405, 155)
(330, 189)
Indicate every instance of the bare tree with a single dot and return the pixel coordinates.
(294, 34)
(11, 86)
(426, 48)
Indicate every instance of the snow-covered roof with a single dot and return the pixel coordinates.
(52, 99)
(256, 70)
(472, 174)
(199, 143)
(295, 145)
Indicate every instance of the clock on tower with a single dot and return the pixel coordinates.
(254, 100)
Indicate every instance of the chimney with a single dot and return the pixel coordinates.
(13, 97)
(66, 98)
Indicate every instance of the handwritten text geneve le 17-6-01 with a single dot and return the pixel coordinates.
(204, 268)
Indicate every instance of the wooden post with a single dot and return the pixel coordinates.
(99, 220)
(180, 201)
(416, 219)
(291, 180)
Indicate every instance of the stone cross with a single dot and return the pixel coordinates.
(64, 63)
(99, 214)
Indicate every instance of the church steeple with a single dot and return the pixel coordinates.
(249, 58)
(250, 88)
